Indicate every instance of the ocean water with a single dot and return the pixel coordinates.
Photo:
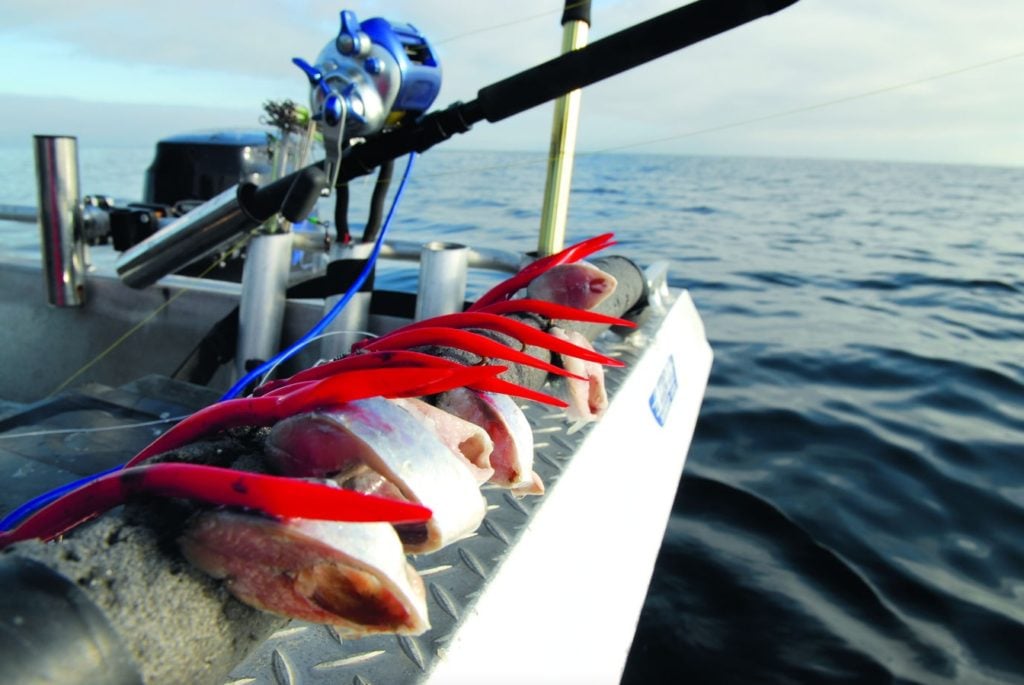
(852, 508)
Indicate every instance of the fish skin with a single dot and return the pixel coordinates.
(383, 436)
(354, 576)
(467, 440)
(581, 285)
(504, 421)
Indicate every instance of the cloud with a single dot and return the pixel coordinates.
(209, 54)
(106, 124)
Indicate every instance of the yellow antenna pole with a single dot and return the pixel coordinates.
(575, 27)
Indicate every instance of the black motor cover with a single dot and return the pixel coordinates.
(198, 166)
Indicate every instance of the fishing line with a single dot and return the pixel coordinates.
(15, 516)
(94, 429)
(494, 27)
(306, 144)
(12, 518)
(35, 503)
(134, 329)
(742, 122)
(350, 331)
(820, 105)
(42, 500)
(317, 329)
(5, 522)
(313, 334)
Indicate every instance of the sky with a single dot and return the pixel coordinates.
(848, 79)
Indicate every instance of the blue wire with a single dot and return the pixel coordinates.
(12, 518)
(316, 330)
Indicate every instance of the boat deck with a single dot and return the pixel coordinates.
(549, 587)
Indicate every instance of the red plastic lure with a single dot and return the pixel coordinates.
(274, 495)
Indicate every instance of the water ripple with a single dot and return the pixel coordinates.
(853, 506)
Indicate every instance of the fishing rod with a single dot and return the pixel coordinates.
(46, 631)
(614, 54)
(203, 230)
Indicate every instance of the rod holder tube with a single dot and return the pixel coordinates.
(350, 324)
(60, 220)
(261, 310)
(442, 281)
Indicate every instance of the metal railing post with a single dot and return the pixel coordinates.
(60, 220)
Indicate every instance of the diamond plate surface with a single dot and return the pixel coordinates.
(455, 576)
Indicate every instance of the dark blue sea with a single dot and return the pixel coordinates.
(852, 509)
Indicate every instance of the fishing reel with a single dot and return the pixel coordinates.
(372, 76)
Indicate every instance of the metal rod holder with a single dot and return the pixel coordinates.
(261, 310)
(442, 283)
(201, 232)
(349, 325)
(60, 220)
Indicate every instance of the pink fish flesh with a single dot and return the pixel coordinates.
(504, 421)
(466, 440)
(351, 575)
(580, 284)
(379, 435)
(587, 399)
